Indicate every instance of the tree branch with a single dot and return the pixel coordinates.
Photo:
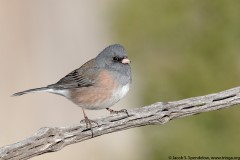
(53, 139)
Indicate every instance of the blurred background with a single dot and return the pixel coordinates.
(179, 49)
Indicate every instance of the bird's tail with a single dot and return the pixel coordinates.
(42, 89)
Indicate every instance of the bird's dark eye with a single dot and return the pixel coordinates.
(116, 58)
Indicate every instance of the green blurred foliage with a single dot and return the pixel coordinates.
(184, 48)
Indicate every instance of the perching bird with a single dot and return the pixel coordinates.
(97, 84)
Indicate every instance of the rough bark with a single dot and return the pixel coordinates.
(53, 139)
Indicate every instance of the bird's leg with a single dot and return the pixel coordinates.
(116, 112)
(88, 121)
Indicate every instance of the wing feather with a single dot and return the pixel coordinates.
(82, 77)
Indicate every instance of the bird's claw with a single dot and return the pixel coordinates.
(88, 123)
(116, 112)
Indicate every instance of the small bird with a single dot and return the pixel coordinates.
(98, 84)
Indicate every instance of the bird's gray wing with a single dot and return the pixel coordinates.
(82, 77)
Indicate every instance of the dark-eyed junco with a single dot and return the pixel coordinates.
(97, 84)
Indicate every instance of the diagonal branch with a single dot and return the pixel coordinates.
(53, 139)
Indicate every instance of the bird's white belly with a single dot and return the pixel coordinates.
(121, 92)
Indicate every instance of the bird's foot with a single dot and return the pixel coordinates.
(88, 123)
(116, 112)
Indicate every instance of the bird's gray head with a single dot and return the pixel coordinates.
(113, 57)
